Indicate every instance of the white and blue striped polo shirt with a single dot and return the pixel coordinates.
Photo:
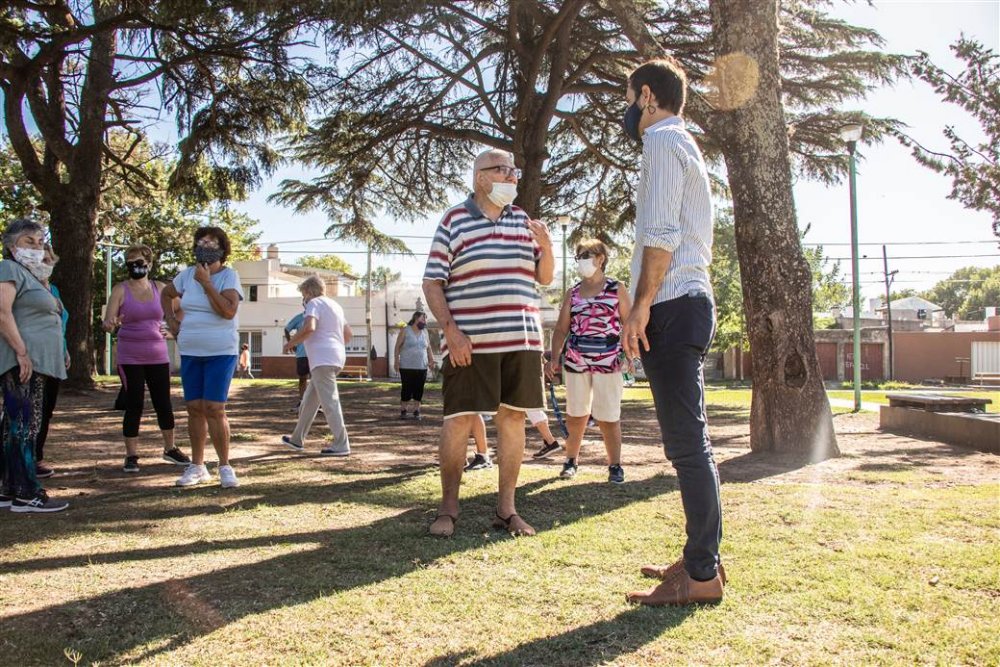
(488, 271)
(674, 209)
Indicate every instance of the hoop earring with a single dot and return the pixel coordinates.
(650, 109)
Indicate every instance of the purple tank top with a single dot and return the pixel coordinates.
(140, 340)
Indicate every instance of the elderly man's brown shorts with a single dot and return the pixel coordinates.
(509, 379)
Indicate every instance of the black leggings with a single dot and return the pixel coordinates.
(135, 377)
(49, 397)
(413, 384)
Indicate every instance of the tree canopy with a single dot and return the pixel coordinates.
(973, 166)
(328, 262)
(410, 102)
(965, 293)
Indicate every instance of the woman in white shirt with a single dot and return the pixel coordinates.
(208, 339)
(324, 332)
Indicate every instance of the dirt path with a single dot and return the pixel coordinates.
(85, 444)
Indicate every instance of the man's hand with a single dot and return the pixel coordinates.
(459, 346)
(634, 331)
(540, 231)
(552, 368)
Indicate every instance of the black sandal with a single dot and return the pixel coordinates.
(501, 523)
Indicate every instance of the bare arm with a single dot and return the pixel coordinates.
(113, 310)
(398, 348)
(430, 353)
(348, 333)
(9, 331)
(545, 267)
(655, 263)
(167, 296)
(306, 330)
(560, 333)
(459, 345)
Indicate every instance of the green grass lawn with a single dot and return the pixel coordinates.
(342, 573)
(879, 557)
(869, 396)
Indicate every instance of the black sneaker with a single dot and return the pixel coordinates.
(479, 462)
(616, 474)
(42, 471)
(569, 469)
(40, 503)
(176, 456)
(402, 414)
(416, 416)
(131, 464)
(546, 449)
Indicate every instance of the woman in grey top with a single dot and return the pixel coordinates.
(31, 349)
(413, 357)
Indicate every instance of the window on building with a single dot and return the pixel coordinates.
(253, 292)
(358, 345)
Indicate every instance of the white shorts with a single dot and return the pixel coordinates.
(535, 416)
(596, 394)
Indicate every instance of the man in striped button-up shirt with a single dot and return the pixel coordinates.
(673, 319)
(485, 259)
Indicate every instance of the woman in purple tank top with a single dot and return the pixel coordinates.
(135, 311)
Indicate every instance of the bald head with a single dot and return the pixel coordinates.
(493, 157)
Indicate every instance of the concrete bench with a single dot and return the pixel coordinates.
(355, 372)
(938, 403)
(957, 420)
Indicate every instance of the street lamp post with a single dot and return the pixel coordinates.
(851, 134)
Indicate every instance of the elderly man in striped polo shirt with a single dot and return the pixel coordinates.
(673, 318)
(480, 284)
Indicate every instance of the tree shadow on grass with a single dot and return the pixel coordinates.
(596, 644)
(169, 614)
(754, 466)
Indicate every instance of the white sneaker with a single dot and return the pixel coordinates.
(227, 477)
(194, 474)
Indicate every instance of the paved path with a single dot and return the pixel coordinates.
(849, 403)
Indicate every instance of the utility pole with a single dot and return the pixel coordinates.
(888, 304)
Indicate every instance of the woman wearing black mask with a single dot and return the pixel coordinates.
(413, 358)
(208, 338)
(135, 311)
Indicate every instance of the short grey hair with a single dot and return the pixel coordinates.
(312, 286)
(16, 230)
(487, 159)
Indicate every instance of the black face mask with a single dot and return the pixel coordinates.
(137, 269)
(631, 122)
(204, 255)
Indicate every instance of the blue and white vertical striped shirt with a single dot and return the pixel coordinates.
(674, 209)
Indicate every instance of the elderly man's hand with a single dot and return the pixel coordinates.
(540, 232)
(459, 346)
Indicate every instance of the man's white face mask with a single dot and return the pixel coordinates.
(586, 267)
(503, 194)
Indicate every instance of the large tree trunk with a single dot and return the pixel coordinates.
(74, 238)
(790, 411)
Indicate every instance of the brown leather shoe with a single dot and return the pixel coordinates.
(661, 572)
(680, 589)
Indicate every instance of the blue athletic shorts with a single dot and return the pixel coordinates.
(207, 378)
